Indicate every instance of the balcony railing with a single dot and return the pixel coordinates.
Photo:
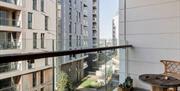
(12, 88)
(9, 22)
(9, 44)
(5, 58)
(8, 67)
(40, 58)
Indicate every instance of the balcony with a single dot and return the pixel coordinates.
(85, 22)
(7, 24)
(85, 12)
(95, 34)
(94, 19)
(94, 28)
(8, 67)
(94, 3)
(10, 41)
(8, 58)
(94, 11)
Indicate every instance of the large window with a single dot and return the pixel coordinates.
(29, 20)
(10, 1)
(42, 5)
(34, 4)
(34, 40)
(3, 18)
(46, 22)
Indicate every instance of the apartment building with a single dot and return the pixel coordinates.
(74, 32)
(153, 28)
(115, 30)
(79, 30)
(27, 26)
(93, 32)
(95, 23)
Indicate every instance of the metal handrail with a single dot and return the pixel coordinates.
(6, 58)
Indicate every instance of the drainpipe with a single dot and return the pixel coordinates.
(53, 85)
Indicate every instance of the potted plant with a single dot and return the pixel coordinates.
(127, 85)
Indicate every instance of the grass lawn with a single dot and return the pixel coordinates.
(89, 83)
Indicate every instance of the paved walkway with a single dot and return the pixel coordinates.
(108, 87)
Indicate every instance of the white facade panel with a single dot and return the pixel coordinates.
(153, 28)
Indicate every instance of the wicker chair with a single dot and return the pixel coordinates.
(171, 68)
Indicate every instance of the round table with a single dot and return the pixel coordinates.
(160, 82)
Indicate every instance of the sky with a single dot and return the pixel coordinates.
(108, 9)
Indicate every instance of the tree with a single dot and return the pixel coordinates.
(62, 82)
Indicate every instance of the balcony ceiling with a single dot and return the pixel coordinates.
(9, 6)
(10, 28)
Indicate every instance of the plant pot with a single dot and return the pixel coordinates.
(124, 89)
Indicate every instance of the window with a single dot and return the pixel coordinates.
(81, 6)
(46, 62)
(46, 22)
(75, 27)
(34, 4)
(70, 40)
(81, 29)
(74, 1)
(74, 55)
(42, 77)
(34, 79)
(42, 89)
(69, 1)
(42, 40)
(5, 83)
(70, 57)
(77, 41)
(70, 27)
(42, 5)
(79, 16)
(34, 40)
(29, 20)
(3, 18)
(10, 1)
(30, 64)
(77, 19)
(80, 41)
(70, 15)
